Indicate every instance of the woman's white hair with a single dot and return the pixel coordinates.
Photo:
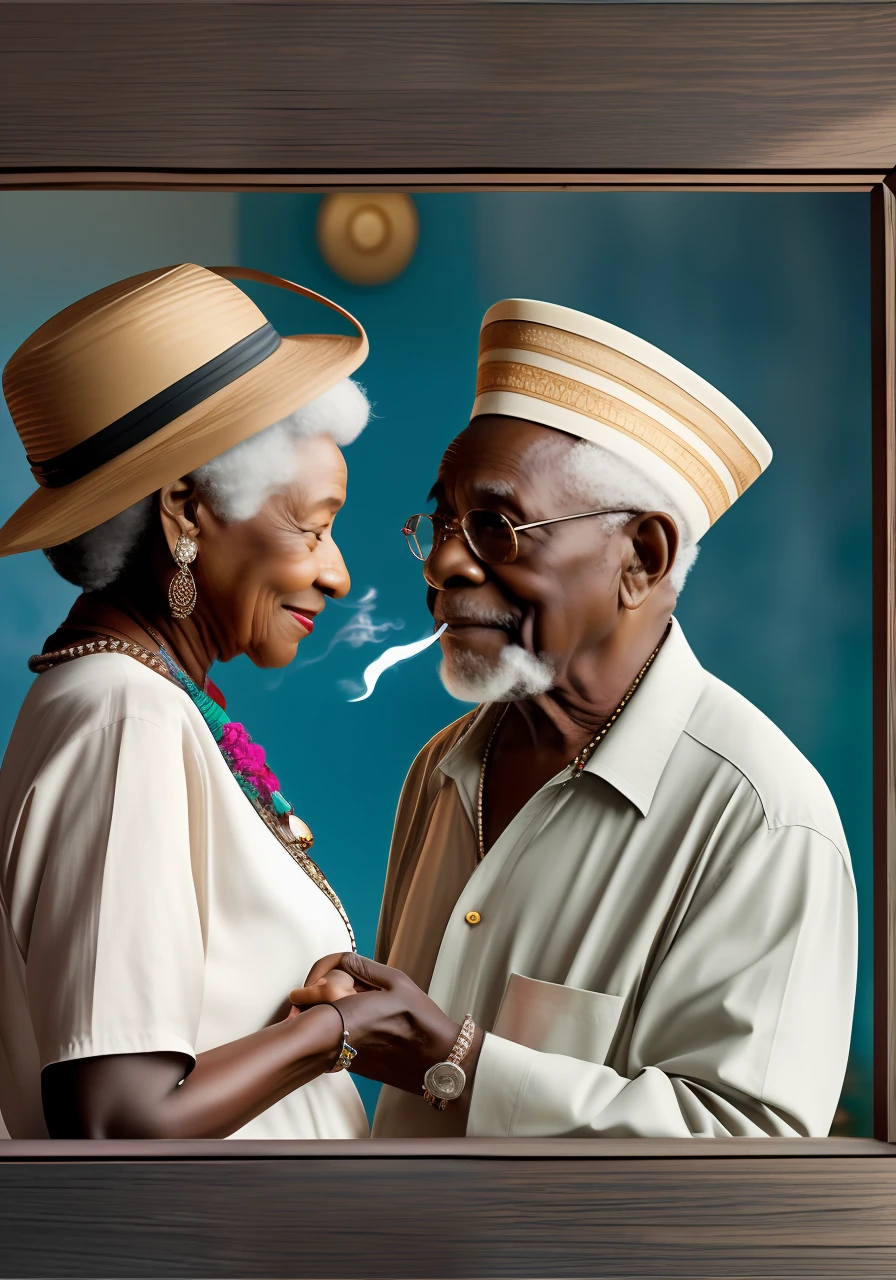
(236, 484)
(599, 478)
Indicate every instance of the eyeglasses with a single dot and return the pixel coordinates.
(488, 534)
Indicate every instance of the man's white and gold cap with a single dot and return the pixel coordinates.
(571, 371)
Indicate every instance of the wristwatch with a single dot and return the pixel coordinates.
(444, 1081)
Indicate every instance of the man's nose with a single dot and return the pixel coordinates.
(333, 577)
(452, 564)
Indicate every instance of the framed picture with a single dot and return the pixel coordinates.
(506, 101)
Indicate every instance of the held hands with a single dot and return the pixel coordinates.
(398, 1030)
(327, 989)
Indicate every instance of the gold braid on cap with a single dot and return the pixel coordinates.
(600, 406)
(596, 357)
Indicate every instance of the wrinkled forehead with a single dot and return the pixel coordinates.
(504, 458)
(319, 474)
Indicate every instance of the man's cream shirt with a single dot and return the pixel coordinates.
(667, 945)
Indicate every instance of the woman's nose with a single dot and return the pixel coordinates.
(452, 563)
(333, 577)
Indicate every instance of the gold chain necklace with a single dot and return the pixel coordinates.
(577, 764)
(297, 849)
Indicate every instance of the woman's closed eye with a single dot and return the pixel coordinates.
(313, 534)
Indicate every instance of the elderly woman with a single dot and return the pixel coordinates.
(158, 901)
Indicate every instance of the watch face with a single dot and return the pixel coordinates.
(445, 1080)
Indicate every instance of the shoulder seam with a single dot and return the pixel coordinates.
(109, 724)
(719, 755)
(807, 826)
(776, 825)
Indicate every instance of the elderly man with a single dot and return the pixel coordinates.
(627, 894)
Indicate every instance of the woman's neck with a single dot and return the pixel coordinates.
(120, 616)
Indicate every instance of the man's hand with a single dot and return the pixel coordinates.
(398, 1030)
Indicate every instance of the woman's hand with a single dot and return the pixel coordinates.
(398, 1030)
(328, 988)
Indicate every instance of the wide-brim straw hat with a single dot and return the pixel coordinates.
(140, 383)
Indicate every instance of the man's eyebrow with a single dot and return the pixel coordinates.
(494, 488)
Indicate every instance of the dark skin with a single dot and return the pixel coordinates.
(595, 601)
(251, 577)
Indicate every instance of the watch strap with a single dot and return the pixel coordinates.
(455, 1057)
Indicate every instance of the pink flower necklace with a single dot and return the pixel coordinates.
(245, 758)
(246, 761)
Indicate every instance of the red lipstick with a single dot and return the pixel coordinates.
(303, 620)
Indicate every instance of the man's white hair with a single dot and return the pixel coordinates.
(598, 478)
(236, 484)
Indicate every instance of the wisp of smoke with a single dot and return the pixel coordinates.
(360, 628)
(398, 653)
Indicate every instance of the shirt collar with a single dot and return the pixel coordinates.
(635, 752)
(464, 760)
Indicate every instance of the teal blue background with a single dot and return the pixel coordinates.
(766, 296)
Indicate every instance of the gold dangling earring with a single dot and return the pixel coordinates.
(182, 591)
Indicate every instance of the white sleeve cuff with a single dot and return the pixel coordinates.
(498, 1088)
(97, 1046)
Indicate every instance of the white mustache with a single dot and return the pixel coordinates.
(471, 613)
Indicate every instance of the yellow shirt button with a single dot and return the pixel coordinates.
(472, 917)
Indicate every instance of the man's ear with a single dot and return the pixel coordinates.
(654, 539)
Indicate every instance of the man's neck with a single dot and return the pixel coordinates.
(567, 717)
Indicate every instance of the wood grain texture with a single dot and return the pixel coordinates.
(883, 405)
(158, 180)
(569, 1149)
(440, 87)
(405, 1218)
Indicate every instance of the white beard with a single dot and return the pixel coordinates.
(515, 676)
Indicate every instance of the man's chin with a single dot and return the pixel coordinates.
(506, 673)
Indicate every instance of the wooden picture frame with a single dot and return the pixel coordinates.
(446, 96)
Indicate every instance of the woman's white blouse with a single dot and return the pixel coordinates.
(144, 905)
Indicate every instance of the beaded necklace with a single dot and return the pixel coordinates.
(244, 758)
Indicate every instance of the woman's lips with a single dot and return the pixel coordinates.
(302, 619)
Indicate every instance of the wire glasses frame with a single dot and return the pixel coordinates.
(488, 534)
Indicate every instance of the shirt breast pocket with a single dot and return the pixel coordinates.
(552, 1018)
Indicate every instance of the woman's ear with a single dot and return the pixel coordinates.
(654, 547)
(177, 508)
